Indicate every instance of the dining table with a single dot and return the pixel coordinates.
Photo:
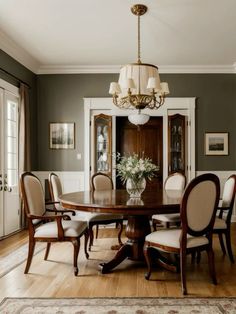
(137, 211)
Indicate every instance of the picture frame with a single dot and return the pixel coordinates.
(61, 135)
(217, 144)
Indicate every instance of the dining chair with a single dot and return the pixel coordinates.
(222, 224)
(197, 212)
(175, 181)
(92, 219)
(45, 224)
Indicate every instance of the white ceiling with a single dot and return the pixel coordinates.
(100, 35)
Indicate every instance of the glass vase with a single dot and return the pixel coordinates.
(135, 187)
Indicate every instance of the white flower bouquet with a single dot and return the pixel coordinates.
(135, 168)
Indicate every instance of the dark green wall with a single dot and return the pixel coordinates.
(59, 98)
(16, 69)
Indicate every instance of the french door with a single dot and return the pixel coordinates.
(9, 186)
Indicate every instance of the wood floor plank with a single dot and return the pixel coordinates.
(55, 278)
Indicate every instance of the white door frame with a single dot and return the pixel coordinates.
(94, 106)
(9, 198)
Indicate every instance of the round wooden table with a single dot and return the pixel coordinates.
(136, 211)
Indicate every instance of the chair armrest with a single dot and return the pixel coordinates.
(58, 219)
(61, 211)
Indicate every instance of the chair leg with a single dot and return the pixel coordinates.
(154, 225)
(30, 256)
(183, 271)
(198, 257)
(76, 244)
(86, 237)
(120, 232)
(211, 263)
(228, 244)
(47, 251)
(147, 255)
(97, 228)
(90, 236)
(220, 235)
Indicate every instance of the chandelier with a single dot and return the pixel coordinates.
(139, 84)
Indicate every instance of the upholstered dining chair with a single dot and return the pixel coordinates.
(92, 219)
(223, 220)
(198, 210)
(175, 181)
(45, 225)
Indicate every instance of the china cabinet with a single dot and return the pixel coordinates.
(176, 143)
(102, 138)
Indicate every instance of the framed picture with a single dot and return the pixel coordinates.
(62, 135)
(217, 144)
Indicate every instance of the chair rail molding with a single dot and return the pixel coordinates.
(72, 181)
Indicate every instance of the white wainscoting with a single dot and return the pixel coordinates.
(223, 176)
(72, 181)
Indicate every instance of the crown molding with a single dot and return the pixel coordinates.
(180, 69)
(78, 69)
(207, 69)
(18, 53)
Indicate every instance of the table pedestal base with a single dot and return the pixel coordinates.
(136, 230)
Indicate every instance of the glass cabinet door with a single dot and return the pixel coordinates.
(102, 128)
(176, 143)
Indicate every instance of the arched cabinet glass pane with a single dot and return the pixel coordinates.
(102, 129)
(176, 143)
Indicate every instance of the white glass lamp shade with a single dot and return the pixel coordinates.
(140, 74)
(138, 118)
(154, 83)
(114, 88)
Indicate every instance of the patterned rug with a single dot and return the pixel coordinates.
(17, 257)
(118, 306)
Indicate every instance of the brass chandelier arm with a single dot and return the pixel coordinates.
(138, 101)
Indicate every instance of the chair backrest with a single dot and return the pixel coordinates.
(101, 181)
(229, 192)
(199, 205)
(32, 194)
(175, 181)
(55, 187)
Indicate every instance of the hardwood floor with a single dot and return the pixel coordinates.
(55, 278)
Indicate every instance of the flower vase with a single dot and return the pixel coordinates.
(135, 187)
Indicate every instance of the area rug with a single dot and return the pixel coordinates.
(118, 306)
(17, 257)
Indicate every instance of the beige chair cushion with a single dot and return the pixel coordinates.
(228, 192)
(102, 183)
(35, 195)
(175, 182)
(220, 224)
(86, 216)
(200, 203)
(71, 229)
(170, 237)
(167, 217)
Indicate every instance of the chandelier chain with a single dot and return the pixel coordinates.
(139, 42)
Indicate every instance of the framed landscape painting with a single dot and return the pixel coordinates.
(61, 135)
(217, 143)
